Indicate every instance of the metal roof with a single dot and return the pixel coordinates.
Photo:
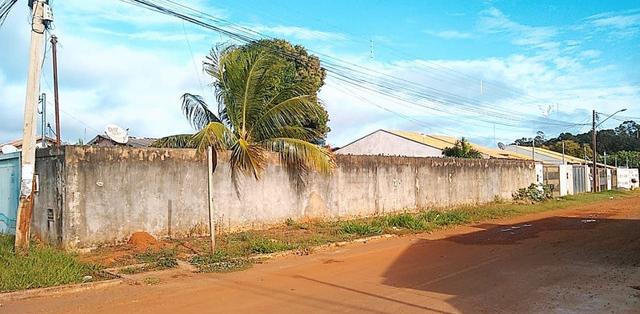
(441, 142)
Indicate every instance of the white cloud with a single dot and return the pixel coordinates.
(621, 24)
(450, 34)
(590, 54)
(493, 21)
(299, 32)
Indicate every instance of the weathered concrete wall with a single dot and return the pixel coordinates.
(112, 192)
(384, 143)
(49, 197)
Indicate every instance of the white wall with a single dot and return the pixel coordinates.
(625, 177)
(566, 180)
(111, 192)
(387, 144)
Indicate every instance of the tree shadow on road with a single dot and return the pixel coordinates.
(505, 268)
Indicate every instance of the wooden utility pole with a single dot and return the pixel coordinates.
(594, 179)
(54, 50)
(25, 207)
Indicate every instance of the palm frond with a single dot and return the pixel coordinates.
(175, 141)
(248, 158)
(302, 154)
(197, 111)
(290, 112)
(214, 134)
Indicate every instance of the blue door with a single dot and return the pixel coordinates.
(9, 191)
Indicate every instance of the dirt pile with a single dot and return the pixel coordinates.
(142, 241)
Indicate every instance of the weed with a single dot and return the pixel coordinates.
(219, 262)
(295, 225)
(446, 218)
(151, 281)
(132, 270)
(360, 228)
(406, 221)
(261, 245)
(162, 259)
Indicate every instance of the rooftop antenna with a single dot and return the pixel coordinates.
(117, 134)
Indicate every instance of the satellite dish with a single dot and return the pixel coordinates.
(8, 149)
(117, 134)
(501, 145)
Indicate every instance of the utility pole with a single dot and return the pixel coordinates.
(593, 146)
(43, 119)
(25, 207)
(533, 149)
(54, 50)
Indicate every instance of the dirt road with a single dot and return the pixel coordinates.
(580, 260)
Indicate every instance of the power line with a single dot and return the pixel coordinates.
(359, 76)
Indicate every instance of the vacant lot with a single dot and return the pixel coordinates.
(574, 260)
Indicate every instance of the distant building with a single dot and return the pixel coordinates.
(105, 141)
(546, 156)
(414, 144)
(39, 143)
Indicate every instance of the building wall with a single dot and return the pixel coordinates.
(387, 144)
(626, 177)
(110, 193)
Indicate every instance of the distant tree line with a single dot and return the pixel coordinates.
(621, 144)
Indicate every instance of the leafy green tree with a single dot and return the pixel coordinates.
(300, 70)
(571, 148)
(257, 114)
(462, 149)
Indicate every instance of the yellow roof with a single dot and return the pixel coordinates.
(442, 142)
(552, 154)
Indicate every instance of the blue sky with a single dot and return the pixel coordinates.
(538, 61)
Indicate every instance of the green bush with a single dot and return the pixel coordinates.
(533, 193)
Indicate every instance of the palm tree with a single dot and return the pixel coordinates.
(256, 115)
(461, 149)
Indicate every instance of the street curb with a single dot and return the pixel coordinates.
(58, 290)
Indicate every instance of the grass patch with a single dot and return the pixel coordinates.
(361, 228)
(151, 281)
(220, 263)
(43, 267)
(261, 245)
(158, 260)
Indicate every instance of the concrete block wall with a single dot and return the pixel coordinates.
(108, 193)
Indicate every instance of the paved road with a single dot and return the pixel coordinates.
(581, 260)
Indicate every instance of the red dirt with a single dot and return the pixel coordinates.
(580, 260)
(142, 241)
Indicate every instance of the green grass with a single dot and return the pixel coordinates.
(360, 228)
(157, 260)
(220, 262)
(234, 250)
(42, 267)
